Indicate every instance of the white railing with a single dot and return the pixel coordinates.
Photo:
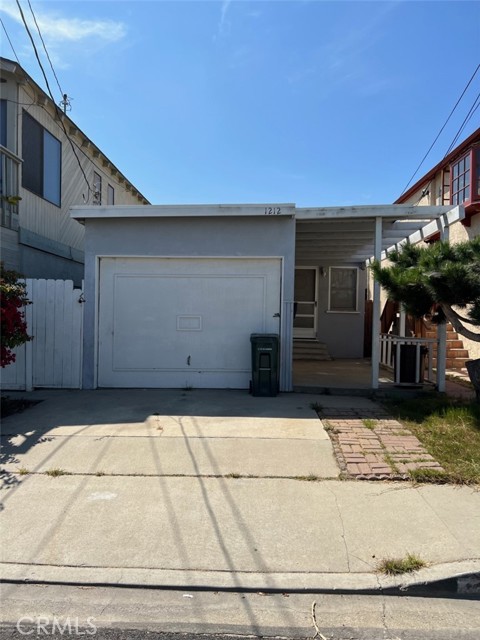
(9, 168)
(390, 348)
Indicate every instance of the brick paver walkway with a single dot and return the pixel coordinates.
(371, 445)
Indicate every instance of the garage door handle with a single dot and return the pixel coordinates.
(276, 315)
(188, 360)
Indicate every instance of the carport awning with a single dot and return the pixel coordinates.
(347, 234)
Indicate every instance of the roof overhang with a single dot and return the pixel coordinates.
(183, 211)
(324, 235)
(347, 234)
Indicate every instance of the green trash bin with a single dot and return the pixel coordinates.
(265, 363)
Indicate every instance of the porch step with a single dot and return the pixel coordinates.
(310, 350)
(456, 364)
(457, 355)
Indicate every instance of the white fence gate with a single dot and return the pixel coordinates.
(53, 358)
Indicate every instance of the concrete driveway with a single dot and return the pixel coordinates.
(169, 433)
(209, 488)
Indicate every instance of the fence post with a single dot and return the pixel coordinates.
(28, 345)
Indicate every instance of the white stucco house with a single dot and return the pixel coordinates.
(173, 293)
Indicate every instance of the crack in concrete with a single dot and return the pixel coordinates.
(343, 526)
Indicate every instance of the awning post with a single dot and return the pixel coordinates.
(376, 308)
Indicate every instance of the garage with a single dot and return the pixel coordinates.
(173, 293)
(183, 322)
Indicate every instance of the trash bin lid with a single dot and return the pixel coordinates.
(259, 337)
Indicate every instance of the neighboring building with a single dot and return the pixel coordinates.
(47, 165)
(453, 181)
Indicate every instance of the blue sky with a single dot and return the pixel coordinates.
(312, 102)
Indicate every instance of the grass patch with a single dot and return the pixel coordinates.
(233, 475)
(369, 423)
(432, 476)
(100, 473)
(328, 427)
(316, 406)
(449, 430)
(54, 473)
(310, 478)
(398, 566)
(23, 471)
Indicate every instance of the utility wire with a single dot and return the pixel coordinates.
(82, 151)
(443, 127)
(34, 49)
(473, 108)
(10, 42)
(52, 98)
(468, 117)
(45, 48)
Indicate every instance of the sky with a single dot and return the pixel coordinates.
(312, 102)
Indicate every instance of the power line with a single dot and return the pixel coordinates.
(34, 49)
(45, 48)
(468, 117)
(83, 152)
(473, 108)
(443, 127)
(51, 96)
(10, 42)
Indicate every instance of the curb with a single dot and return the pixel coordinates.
(462, 577)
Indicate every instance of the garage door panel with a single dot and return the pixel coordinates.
(176, 322)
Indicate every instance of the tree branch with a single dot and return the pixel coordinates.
(453, 318)
(462, 319)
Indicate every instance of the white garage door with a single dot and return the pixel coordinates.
(183, 322)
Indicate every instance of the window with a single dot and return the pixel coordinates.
(97, 188)
(465, 176)
(461, 180)
(343, 289)
(110, 195)
(42, 161)
(3, 123)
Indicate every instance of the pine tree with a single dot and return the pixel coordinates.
(441, 277)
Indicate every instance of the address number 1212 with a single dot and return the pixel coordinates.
(273, 211)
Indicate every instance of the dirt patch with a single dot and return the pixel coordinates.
(9, 406)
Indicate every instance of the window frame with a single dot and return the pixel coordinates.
(110, 191)
(336, 310)
(97, 193)
(3, 123)
(38, 155)
(472, 189)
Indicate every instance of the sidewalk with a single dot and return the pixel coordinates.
(158, 493)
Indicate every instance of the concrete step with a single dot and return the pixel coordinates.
(451, 335)
(452, 352)
(318, 357)
(310, 350)
(458, 364)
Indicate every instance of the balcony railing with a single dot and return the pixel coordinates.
(390, 348)
(9, 171)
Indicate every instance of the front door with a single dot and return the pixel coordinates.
(305, 320)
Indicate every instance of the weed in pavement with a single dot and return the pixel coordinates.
(397, 566)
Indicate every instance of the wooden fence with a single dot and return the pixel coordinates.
(53, 359)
